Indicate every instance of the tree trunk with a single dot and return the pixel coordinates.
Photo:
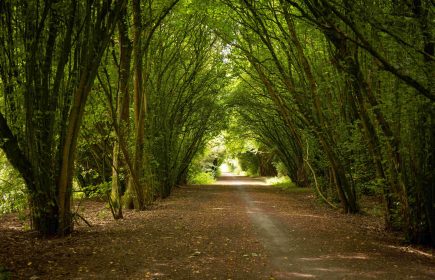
(345, 185)
(139, 104)
(122, 114)
(426, 174)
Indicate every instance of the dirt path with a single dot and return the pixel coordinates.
(237, 229)
(305, 242)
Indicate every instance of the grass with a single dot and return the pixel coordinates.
(285, 183)
(202, 178)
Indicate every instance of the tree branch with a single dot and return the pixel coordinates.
(9, 144)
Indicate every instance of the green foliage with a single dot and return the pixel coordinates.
(281, 168)
(48, 65)
(363, 124)
(184, 92)
(5, 274)
(201, 178)
(204, 168)
(285, 183)
(13, 194)
(349, 107)
(232, 165)
(249, 162)
(98, 191)
(372, 187)
(353, 147)
(95, 144)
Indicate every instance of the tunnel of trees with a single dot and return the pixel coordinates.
(126, 98)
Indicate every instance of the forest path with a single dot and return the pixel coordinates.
(238, 228)
(302, 242)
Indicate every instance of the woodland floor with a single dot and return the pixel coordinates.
(239, 228)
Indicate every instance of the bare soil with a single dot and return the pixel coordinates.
(239, 228)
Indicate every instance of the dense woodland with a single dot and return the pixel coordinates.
(128, 98)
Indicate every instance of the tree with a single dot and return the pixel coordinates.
(364, 80)
(185, 82)
(176, 72)
(283, 66)
(50, 54)
(406, 54)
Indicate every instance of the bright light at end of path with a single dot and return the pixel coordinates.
(225, 168)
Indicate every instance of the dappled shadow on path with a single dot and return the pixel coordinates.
(306, 242)
(238, 228)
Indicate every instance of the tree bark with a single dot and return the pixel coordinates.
(122, 114)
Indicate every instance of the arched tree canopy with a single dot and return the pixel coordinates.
(127, 95)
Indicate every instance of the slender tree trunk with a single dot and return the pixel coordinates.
(425, 174)
(375, 151)
(345, 185)
(122, 114)
(92, 53)
(139, 105)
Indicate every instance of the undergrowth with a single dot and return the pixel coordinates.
(202, 178)
(285, 183)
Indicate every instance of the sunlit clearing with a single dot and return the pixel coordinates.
(282, 182)
(278, 180)
(225, 168)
